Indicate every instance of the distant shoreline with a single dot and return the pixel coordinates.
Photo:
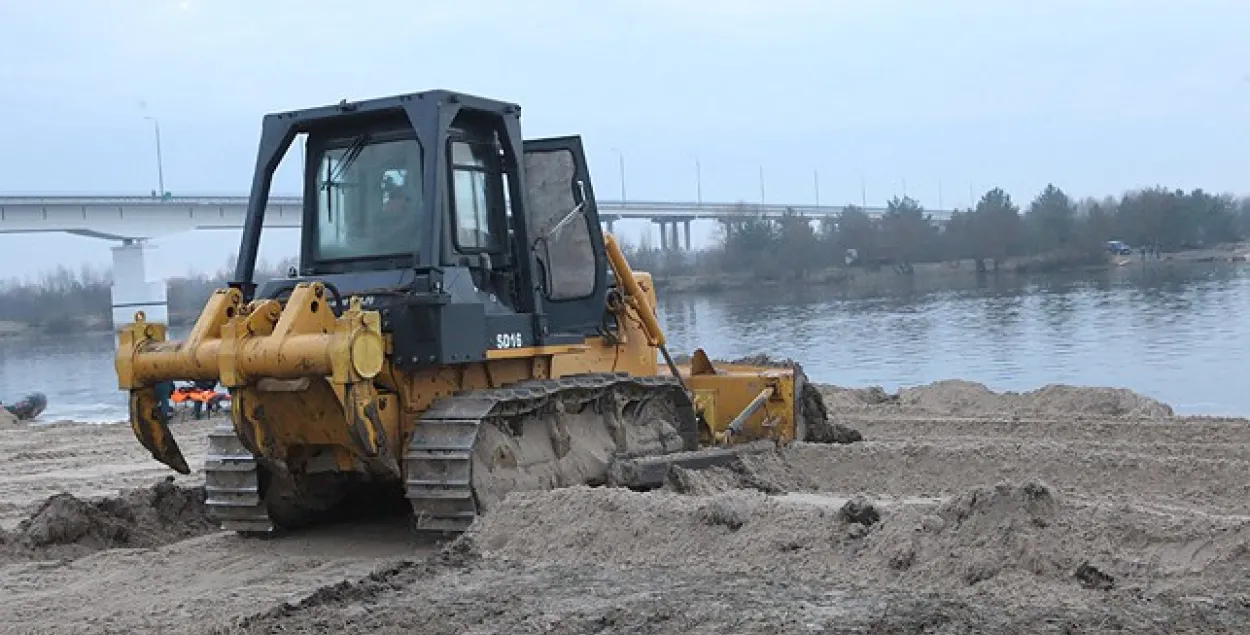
(859, 278)
(937, 274)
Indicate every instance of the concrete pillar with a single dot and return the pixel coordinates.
(132, 291)
(686, 223)
(663, 235)
(676, 242)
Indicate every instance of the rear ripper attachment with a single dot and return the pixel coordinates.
(300, 380)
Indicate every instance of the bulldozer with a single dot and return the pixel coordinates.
(458, 327)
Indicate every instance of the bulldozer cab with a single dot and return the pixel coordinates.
(432, 208)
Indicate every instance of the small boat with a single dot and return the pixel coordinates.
(28, 407)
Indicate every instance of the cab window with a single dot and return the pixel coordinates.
(471, 172)
(568, 253)
(369, 200)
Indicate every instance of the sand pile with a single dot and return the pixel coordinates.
(962, 398)
(839, 398)
(955, 397)
(64, 526)
(581, 525)
(978, 535)
(7, 418)
(1113, 402)
(1000, 537)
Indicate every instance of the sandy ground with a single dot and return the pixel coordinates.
(1058, 511)
(85, 460)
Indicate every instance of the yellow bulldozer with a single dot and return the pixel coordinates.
(458, 327)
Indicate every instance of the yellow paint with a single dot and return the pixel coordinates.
(643, 303)
(732, 387)
(533, 351)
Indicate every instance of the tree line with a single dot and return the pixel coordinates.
(1051, 231)
(65, 300)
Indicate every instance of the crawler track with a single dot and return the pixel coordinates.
(538, 434)
(231, 483)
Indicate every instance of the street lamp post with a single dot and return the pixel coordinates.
(160, 164)
(698, 181)
(698, 178)
(621, 163)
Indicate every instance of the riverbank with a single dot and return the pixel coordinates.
(952, 273)
(1062, 509)
(60, 326)
(13, 329)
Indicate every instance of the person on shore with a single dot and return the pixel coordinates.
(209, 404)
(164, 393)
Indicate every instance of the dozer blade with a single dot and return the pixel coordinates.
(754, 399)
(151, 426)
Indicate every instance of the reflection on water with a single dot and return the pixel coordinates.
(1173, 333)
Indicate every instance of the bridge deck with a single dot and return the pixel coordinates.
(137, 217)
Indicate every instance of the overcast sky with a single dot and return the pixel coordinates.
(1097, 96)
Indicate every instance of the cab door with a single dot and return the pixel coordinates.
(564, 226)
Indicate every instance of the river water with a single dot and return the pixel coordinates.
(1176, 333)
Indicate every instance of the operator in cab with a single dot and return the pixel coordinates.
(396, 232)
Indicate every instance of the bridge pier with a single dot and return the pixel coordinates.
(131, 290)
(670, 233)
(670, 240)
(609, 222)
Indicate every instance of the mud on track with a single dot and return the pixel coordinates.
(1063, 510)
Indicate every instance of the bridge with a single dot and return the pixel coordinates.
(131, 221)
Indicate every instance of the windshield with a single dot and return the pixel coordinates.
(369, 199)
